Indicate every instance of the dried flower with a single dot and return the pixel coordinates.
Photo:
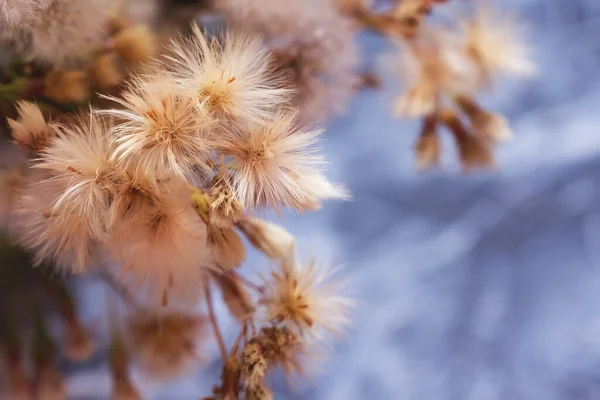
(67, 86)
(495, 43)
(269, 160)
(281, 346)
(271, 239)
(304, 299)
(134, 45)
(317, 187)
(31, 131)
(233, 77)
(161, 131)
(165, 345)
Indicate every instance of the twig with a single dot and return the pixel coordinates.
(214, 323)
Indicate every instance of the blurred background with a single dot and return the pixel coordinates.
(477, 287)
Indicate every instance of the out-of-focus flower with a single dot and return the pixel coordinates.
(134, 45)
(432, 67)
(68, 31)
(314, 45)
(107, 71)
(165, 344)
(497, 44)
(67, 86)
(304, 298)
(231, 76)
(16, 13)
(31, 131)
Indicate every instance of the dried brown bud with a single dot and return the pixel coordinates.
(271, 239)
(134, 45)
(107, 71)
(487, 125)
(235, 295)
(31, 131)
(227, 247)
(67, 86)
(253, 365)
(428, 145)
(474, 152)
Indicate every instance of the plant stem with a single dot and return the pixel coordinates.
(214, 323)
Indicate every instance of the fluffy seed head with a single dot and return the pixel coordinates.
(226, 247)
(304, 298)
(231, 75)
(269, 159)
(161, 132)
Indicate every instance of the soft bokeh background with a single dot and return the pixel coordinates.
(478, 287)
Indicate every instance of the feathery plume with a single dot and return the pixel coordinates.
(17, 13)
(225, 208)
(269, 160)
(226, 247)
(304, 298)
(161, 132)
(232, 77)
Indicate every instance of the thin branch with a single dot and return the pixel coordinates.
(214, 323)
